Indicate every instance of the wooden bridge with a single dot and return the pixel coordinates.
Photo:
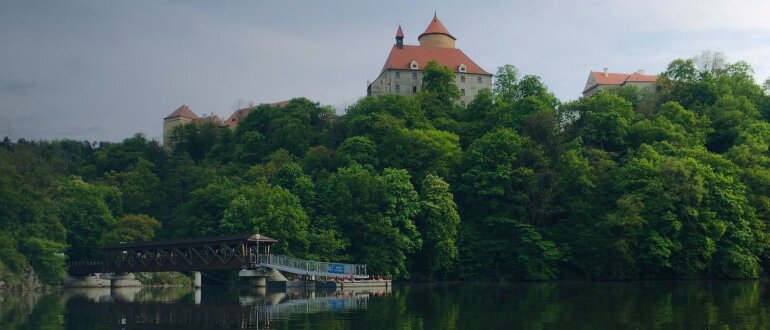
(237, 252)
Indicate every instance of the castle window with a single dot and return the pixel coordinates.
(398, 88)
(398, 75)
(462, 78)
(414, 89)
(414, 65)
(414, 75)
(462, 91)
(478, 79)
(462, 68)
(462, 103)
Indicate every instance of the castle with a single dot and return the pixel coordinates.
(604, 80)
(402, 72)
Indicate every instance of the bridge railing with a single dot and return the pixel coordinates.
(80, 268)
(312, 267)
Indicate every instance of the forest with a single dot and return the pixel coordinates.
(517, 185)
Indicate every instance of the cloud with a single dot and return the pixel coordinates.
(693, 15)
(17, 86)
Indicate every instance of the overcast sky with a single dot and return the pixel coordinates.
(104, 70)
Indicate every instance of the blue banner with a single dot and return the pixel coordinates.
(337, 268)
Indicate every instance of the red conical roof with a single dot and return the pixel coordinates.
(182, 111)
(436, 27)
(399, 33)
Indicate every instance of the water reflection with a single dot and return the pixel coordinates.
(228, 308)
(573, 305)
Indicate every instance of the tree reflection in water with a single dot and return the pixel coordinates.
(548, 305)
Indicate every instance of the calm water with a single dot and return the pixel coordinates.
(563, 305)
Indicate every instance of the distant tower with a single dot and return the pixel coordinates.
(181, 115)
(399, 38)
(436, 35)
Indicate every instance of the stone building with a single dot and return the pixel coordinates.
(180, 116)
(183, 115)
(402, 72)
(603, 80)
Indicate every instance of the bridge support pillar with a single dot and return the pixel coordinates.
(258, 278)
(197, 280)
(88, 281)
(122, 280)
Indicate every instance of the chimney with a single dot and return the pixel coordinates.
(640, 71)
(606, 72)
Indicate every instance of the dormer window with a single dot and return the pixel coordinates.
(413, 65)
(462, 68)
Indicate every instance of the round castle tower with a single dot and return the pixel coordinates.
(436, 35)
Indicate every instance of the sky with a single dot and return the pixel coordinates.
(105, 70)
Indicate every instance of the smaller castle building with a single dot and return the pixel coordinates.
(402, 72)
(183, 115)
(603, 80)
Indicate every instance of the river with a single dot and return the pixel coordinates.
(519, 305)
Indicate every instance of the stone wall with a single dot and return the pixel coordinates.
(409, 82)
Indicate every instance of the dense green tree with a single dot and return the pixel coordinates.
(85, 210)
(46, 258)
(291, 177)
(358, 150)
(477, 118)
(130, 228)
(439, 81)
(374, 117)
(625, 184)
(729, 116)
(506, 83)
(198, 140)
(373, 212)
(272, 210)
(500, 187)
(421, 151)
(680, 218)
(119, 156)
(139, 187)
(438, 223)
(319, 161)
(294, 127)
(605, 120)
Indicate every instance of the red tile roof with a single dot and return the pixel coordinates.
(399, 33)
(400, 58)
(619, 78)
(638, 77)
(610, 78)
(436, 27)
(182, 111)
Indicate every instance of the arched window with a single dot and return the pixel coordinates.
(413, 65)
(462, 68)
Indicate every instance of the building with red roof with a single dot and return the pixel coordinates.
(402, 72)
(603, 80)
(183, 115)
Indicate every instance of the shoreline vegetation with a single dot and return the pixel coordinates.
(517, 185)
